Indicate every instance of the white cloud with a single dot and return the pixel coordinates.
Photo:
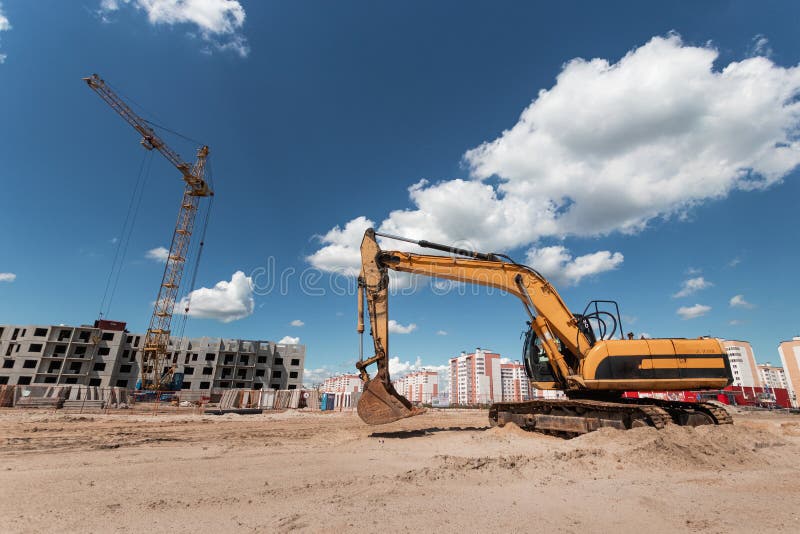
(226, 301)
(692, 312)
(760, 47)
(399, 368)
(557, 264)
(7, 277)
(5, 25)
(441, 332)
(289, 340)
(297, 322)
(735, 322)
(219, 22)
(609, 148)
(737, 301)
(159, 254)
(312, 377)
(645, 335)
(691, 286)
(734, 262)
(397, 328)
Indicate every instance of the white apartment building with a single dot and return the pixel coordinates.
(346, 383)
(515, 383)
(743, 363)
(475, 378)
(419, 386)
(772, 377)
(790, 358)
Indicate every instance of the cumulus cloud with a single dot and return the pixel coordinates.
(289, 340)
(557, 264)
(225, 302)
(760, 47)
(397, 328)
(691, 286)
(608, 148)
(5, 25)
(692, 312)
(398, 368)
(737, 301)
(159, 254)
(7, 277)
(218, 22)
(297, 322)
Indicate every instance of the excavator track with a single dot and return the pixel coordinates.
(573, 417)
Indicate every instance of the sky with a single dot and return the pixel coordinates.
(638, 152)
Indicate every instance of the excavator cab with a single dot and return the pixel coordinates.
(537, 364)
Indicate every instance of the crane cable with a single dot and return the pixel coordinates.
(125, 234)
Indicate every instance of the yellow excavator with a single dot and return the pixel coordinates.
(584, 355)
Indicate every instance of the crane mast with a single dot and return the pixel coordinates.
(156, 343)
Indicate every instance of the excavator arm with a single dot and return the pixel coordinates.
(549, 316)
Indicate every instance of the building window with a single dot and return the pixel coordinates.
(94, 382)
(295, 361)
(24, 380)
(225, 384)
(278, 361)
(129, 340)
(186, 385)
(3, 380)
(60, 349)
(293, 374)
(35, 347)
(292, 386)
(108, 336)
(84, 336)
(80, 351)
(8, 364)
(122, 383)
(29, 364)
(239, 384)
(40, 332)
(275, 386)
(262, 359)
(276, 374)
(241, 373)
(194, 357)
(124, 368)
(188, 370)
(103, 351)
(100, 366)
(258, 385)
(209, 357)
(208, 370)
(259, 372)
(125, 353)
(205, 385)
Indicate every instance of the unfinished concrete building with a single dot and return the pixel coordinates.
(106, 354)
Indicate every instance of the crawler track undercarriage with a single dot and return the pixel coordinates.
(573, 417)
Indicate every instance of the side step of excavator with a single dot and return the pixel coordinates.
(573, 417)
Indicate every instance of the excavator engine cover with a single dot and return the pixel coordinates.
(380, 403)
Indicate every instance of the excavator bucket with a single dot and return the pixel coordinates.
(380, 403)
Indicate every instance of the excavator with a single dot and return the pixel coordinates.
(584, 355)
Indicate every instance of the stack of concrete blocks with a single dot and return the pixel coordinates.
(40, 396)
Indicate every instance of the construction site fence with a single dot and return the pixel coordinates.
(80, 399)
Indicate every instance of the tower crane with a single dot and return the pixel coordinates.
(155, 369)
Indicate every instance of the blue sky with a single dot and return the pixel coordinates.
(320, 114)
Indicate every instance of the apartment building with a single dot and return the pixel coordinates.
(106, 354)
(419, 386)
(772, 377)
(475, 378)
(743, 363)
(343, 384)
(516, 386)
(789, 352)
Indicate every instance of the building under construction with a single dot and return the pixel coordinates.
(107, 355)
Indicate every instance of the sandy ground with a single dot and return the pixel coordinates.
(442, 471)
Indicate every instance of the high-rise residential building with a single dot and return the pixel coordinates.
(743, 363)
(106, 354)
(419, 386)
(476, 378)
(772, 377)
(515, 383)
(790, 358)
(346, 383)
